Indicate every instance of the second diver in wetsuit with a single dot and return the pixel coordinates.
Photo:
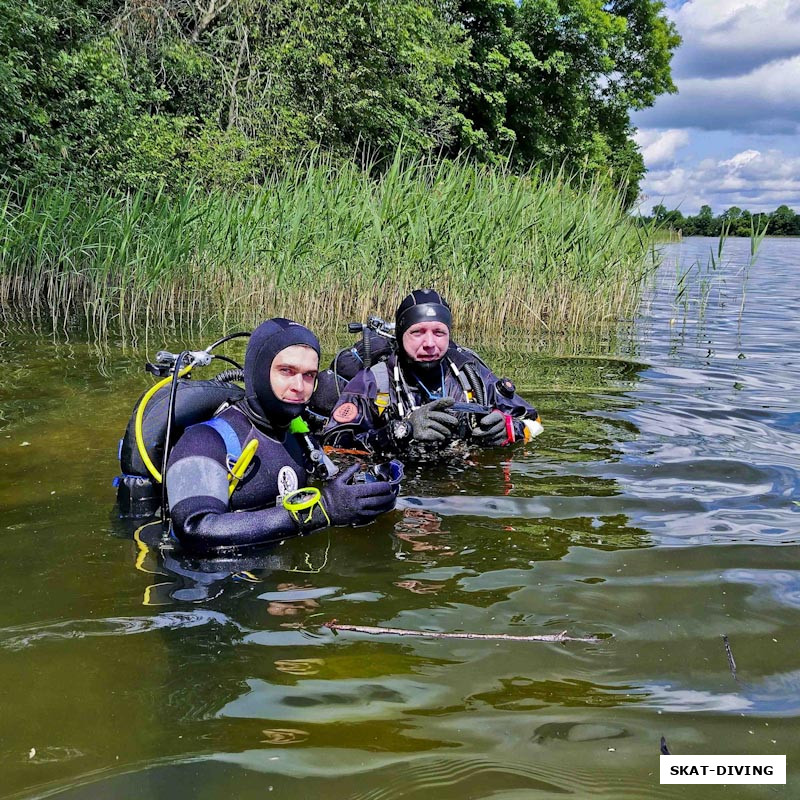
(408, 399)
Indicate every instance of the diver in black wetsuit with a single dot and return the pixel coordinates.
(408, 399)
(280, 370)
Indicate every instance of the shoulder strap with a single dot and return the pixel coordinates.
(381, 373)
(232, 444)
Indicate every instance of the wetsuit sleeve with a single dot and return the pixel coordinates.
(197, 487)
(355, 423)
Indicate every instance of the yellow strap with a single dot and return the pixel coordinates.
(241, 465)
(382, 402)
(246, 575)
(148, 601)
(313, 499)
(143, 549)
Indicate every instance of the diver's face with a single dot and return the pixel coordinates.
(293, 374)
(426, 341)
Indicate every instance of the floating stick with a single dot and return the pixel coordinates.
(507, 637)
(729, 653)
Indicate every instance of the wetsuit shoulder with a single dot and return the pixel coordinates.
(199, 490)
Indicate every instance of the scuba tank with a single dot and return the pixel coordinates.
(161, 415)
(376, 344)
(195, 401)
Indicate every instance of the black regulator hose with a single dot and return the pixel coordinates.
(229, 361)
(476, 384)
(336, 369)
(229, 375)
(367, 344)
(227, 338)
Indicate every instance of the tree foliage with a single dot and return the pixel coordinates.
(225, 91)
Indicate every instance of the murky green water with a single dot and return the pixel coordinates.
(659, 507)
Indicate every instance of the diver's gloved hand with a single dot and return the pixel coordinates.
(430, 423)
(356, 503)
(491, 430)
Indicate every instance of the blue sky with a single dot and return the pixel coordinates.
(730, 135)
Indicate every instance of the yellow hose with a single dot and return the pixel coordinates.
(241, 465)
(151, 468)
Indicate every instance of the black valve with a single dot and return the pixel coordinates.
(505, 386)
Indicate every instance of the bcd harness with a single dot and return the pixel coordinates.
(467, 377)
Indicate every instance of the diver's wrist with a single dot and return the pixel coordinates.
(305, 508)
(401, 431)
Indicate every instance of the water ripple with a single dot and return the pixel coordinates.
(321, 701)
(23, 636)
(470, 777)
(775, 695)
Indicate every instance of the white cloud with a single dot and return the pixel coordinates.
(659, 147)
(765, 100)
(741, 159)
(738, 75)
(749, 179)
(728, 37)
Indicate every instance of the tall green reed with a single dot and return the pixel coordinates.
(323, 242)
(697, 282)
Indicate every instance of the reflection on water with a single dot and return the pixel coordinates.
(660, 506)
(24, 636)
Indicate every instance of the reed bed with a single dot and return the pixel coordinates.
(322, 243)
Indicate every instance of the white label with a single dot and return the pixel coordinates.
(723, 769)
(287, 481)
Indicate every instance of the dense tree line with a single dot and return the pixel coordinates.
(224, 91)
(735, 221)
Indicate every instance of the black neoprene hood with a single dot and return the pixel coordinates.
(422, 305)
(266, 341)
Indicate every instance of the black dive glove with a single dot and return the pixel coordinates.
(491, 430)
(429, 423)
(356, 503)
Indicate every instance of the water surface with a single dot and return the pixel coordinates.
(659, 509)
